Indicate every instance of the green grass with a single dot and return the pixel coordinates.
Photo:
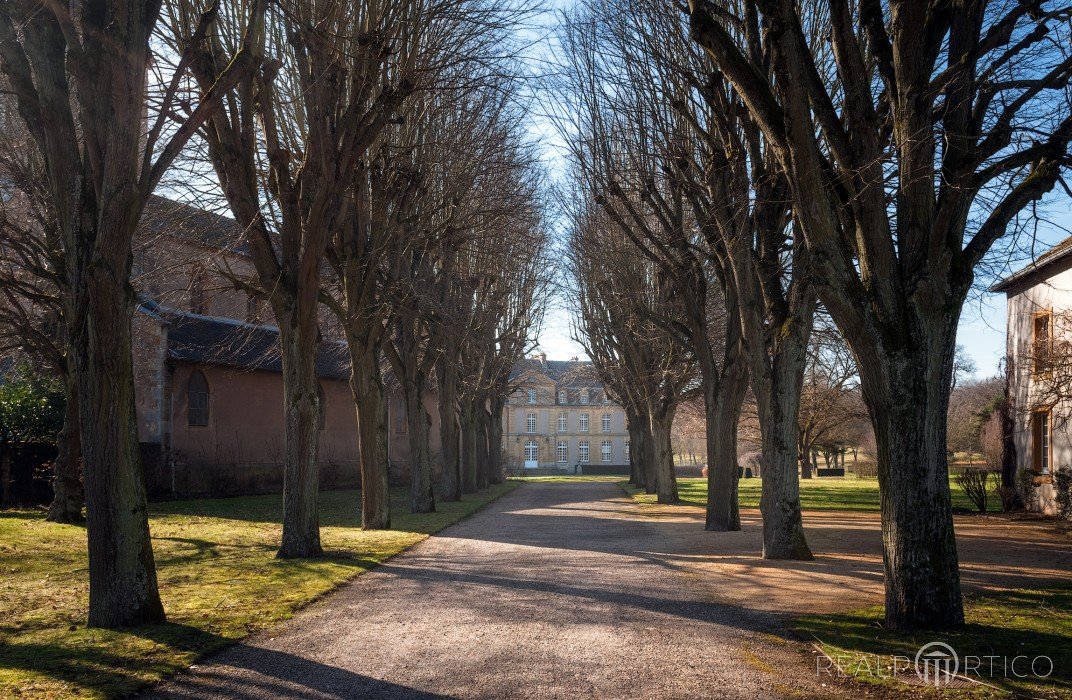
(849, 493)
(1029, 623)
(218, 576)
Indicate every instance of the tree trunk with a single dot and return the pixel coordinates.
(723, 398)
(122, 571)
(1012, 498)
(636, 451)
(783, 528)
(449, 433)
(469, 455)
(301, 411)
(67, 496)
(663, 455)
(421, 498)
(366, 383)
(483, 476)
(495, 441)
(909, 413)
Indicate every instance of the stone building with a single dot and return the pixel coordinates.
(559, 419)
(1039, 365)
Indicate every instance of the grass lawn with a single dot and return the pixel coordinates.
(815, 494)
(1004, 624)
(218, 576)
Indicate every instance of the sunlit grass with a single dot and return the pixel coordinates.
(1007, 624)
(826, 493)
(218, 576)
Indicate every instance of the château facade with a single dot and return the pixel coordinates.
(559, 418)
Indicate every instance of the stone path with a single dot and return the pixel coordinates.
(553, 591)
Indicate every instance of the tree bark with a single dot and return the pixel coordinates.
(783, 528)
(301, 407)
(636, 450)
(366, 384)
(662, 419)
(421, 498)
(67, 496)
(722, 405)
(495, 440)
(483, 475)
(909, 412)
(122, 571)
(469, 453)
(449, 432)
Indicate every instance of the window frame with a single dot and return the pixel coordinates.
(563, 422)
(531, 423)
(582, 423)
(584, 449)
(532, 396)
(204, 412)
(584, 397)
(1041, 364)
(605, 422)
(606, 451)
(1042, 441)
(562, 452)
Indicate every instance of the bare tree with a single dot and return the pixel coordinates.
(80, 75)
(912, 135)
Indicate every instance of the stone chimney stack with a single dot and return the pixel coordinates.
(543, 358)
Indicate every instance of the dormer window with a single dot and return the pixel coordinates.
(562, 398)
(584, 397)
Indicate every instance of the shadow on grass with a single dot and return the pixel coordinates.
(1005, 625)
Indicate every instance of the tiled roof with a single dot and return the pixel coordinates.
(574, 373)
(166, 217)
(1059, 252)
(231, 343)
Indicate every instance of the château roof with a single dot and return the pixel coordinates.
(1058, 253)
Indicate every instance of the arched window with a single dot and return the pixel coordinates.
(197, 399)
(323, 415)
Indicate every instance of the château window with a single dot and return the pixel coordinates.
(584, 423)
(606, 422)
(197, 399)
(1040, 441)
(563, 453)
(584, 396)
(562, 422)
(530, 423)
(584, 452)
(197, 291)
(532, 396)
(562, 398)
(1042, 341)
(605, 452)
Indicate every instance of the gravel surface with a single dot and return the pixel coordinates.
(553, 591)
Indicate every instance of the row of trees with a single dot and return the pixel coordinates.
(372, 156)
(742, 165)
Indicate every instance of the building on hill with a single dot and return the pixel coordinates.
(1039, 367)
(560, 419)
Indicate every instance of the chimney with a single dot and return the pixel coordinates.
(574, 359)
(543, 358)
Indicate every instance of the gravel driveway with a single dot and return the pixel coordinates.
(553, 591)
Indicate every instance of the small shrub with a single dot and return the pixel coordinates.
(1010, 499)
(1025, 484)
(1062, 484)
(975, 483)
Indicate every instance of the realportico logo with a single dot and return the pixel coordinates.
(935, 664)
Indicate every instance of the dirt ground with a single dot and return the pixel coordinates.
(996, 552)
